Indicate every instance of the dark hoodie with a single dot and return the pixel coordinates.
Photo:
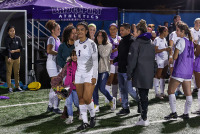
(123, 50)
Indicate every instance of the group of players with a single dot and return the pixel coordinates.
(174, 52)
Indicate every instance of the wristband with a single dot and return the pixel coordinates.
(170, 56)
(171, 65)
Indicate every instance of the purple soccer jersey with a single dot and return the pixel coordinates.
(183, 67)
(114, 45)
(57, 44)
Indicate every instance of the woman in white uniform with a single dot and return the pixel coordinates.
(52, 68)
(162, 50)
(86, 74)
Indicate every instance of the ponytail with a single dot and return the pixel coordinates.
(184, 26)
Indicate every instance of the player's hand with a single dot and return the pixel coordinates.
(9, 60)
(93, 80)
(168, 49)
(12, 51)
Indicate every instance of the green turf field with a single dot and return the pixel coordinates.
(31, 118)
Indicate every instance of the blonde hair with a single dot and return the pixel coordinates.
(142, 26)
(92, 25)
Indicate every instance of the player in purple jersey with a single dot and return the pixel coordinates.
(183, 70)
(114, 39)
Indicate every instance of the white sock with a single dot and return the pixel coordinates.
(162, 86)
(199, 97)
(188, 104)
(108, 88)
(172, 102)
(91, 109)
(51, 98)
(156, 84)
(83, 111)
(56, 102)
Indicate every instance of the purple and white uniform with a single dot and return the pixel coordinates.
(52, 67)
(197, 64)
(183, 67)
(115, 44)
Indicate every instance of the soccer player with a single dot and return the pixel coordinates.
(162, 49)
(183, 70)
(52, 68)
(86, 74)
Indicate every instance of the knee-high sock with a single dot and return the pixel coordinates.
(162, 86)
(199, 98)
(156, 85)
(83, 112)
(91, 109)
(51, 98)
(108, 88)
(172, 102)
(56, 101)
(188, 104)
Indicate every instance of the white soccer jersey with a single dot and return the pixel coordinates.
(161, 44)
(195, 35)
(174, 38)
(115, 40)
(87, 57)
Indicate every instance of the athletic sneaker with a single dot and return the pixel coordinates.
(10, 90)
(92, 121)
(184, 116)
(159, 96)
(171, 116)
(96, 108)
(83, 126)
(141, 122)
(113, 104)
(57, 111)
(49, 109)
(19, 89)
(195, 90)
(69, 120)
(123, 112)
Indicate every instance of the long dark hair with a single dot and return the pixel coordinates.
(161, 29)
(85, 24)
(104, 35)
(184, 26)
(66, 34)
(73, 53)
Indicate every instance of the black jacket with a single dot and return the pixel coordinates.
(13, 44)
(141, 63)
(123, 50)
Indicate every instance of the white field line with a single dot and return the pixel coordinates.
(129, 126)
(25, 104)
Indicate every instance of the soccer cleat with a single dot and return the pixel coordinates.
(184, 116)
(92, 121)
(83, 126)
(163, 95)
(49, 109)
(57, 111)
(123, 112)
(19, 89)
(171, 116)
(96, 108)
(80, 117)
(10, 90)
(113, 104)
(141, 122)
(69, 120)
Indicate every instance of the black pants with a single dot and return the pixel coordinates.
(143, 103)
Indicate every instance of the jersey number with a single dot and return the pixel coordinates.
(190, 52)
(79, 53)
